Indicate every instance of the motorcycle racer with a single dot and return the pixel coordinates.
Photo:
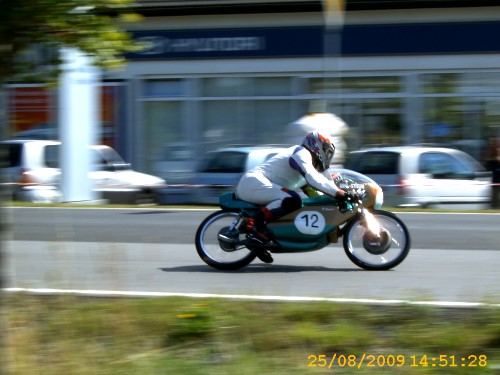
(275, 185)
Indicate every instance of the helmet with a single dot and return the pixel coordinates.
(321, 149)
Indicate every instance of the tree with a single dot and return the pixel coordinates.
(96, 27)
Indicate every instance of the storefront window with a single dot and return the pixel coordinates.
(373, 122)
(161, 129)
(246, 86)
(460, 83)
(271, 118)
(248, 120)
(439, 83)
(461, 122)
(273, 86)
(244, 122)
(372, 84)
(443, 119)
(372, 106)
(252, 122)
(227, 86)
(464, 117)
(479, 82)
(162, 126)
(324, 85)
(355, 85)
(225, 123)
(454, 109)
(158, 88)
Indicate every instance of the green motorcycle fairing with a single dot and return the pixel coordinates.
(304, 230)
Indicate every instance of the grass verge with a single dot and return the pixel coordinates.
(82, 335)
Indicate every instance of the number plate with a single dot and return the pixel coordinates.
(310, 222)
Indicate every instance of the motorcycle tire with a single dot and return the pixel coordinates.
(218, 246)
(361, 246)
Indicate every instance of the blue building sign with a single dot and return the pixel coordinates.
(425, 38)
(227, 43)
(356, 40)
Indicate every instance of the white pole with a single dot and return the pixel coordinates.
(78, 119)
(333, 14)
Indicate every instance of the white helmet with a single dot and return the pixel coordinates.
(321, 149)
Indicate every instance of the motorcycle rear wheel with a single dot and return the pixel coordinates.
(214, 242)
(362, 251)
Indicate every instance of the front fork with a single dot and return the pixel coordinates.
(370, 223)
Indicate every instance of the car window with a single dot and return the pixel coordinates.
(10, 155)
(374, 162)
(98, 162)
(51, 156)
(470, 162)
(225, 162)
(106, 156)
(442, 165)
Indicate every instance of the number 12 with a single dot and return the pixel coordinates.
(314, 220)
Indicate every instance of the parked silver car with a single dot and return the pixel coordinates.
(414, 176)
(176, 163)
(220, 170)
(30, 170)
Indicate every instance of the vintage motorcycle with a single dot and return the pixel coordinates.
(373, 239)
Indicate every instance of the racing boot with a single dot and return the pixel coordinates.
(258, 231)
(259, 250)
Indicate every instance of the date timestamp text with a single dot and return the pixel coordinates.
(395, 360)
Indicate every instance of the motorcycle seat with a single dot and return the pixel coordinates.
(229, 201)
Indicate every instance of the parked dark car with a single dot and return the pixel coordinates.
(220, 170)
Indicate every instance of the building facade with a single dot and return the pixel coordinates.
(232, 72)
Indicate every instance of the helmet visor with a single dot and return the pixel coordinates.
(329, 152)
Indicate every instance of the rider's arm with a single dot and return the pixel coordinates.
(301, 160)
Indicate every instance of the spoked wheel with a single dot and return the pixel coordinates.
(381, 252)
(219, 243)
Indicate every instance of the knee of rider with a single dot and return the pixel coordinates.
(292, 203)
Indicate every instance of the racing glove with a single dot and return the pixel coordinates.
(346, 200)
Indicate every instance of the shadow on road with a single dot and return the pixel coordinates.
(261, 268)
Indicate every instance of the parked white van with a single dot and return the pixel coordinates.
(30, 171)
(414, 176)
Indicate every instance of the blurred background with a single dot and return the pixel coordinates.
(224, 72)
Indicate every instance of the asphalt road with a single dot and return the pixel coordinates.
(165, 226)
(454, 257)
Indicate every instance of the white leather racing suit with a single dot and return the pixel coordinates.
(281, 176)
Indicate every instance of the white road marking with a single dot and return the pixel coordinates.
(368, 301)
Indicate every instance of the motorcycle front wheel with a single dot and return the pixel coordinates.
(381, 252)
(219, 243)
